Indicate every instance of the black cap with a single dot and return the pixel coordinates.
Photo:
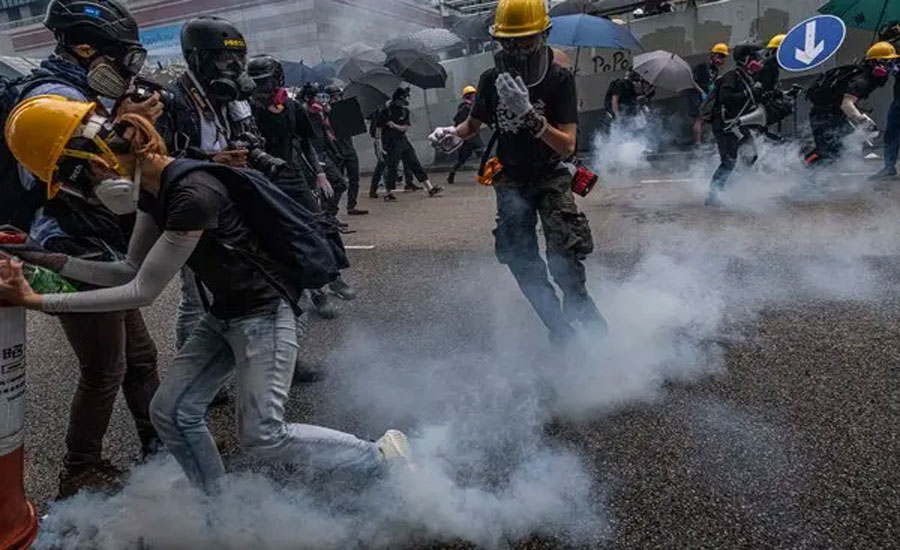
(103, 20)
(211, 34)
(261, 67)
(332, 89)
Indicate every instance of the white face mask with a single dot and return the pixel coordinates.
(120, 195)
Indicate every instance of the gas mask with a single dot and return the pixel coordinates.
(267, 92)
(226, 76)
(753, 66)
(717, 59)
(530, 60)
(879, 70)
(112, 75)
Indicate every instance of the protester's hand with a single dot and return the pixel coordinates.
(441, 133)
(14, 288)
(513, 95)
(324, 186)
(151, 109)
(236, 158)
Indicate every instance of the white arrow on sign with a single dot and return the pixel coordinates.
(812, 50)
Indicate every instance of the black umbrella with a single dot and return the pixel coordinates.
(574, 7)
(473, 27)
(373, 89)
(296, 73)
(351, 68)
(417, 68)
(322, 72)
(403, 43)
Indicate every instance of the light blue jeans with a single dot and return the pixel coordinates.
(261, 352)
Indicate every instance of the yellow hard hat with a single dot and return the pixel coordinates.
(38, 130)
(882, 50)
(519, 18)
(469, 90)
(776, 41)
(720, 48)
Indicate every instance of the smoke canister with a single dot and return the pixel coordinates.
(18, 521)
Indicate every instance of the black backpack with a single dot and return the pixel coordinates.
(305, 245)
(829, 87)
(17, 204)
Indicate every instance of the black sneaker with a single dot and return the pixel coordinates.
(101, 477)
(342, 290)
(390, 198)
(451, 178)
(324, 308)
(884, 174)
(411, 187)
(357, 211)
(435, 191)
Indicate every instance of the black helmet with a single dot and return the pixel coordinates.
(309, 91)
(263, 67)
(332, 89)
(400, 93)
(102, 20)
(742, 52)
(210, 33)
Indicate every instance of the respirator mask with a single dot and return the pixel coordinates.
(112, 75)
(880, 70)
(528, 57)
(226, 76)
(753, 66)
(268, 92)
(718, 59)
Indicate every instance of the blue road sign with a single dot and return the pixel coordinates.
(811, 43)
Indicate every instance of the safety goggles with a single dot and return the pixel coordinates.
(523, 45)
(230, 62)
(130, 58)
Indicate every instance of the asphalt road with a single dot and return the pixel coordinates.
(747, 396)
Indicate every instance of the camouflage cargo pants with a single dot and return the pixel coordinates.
(568, 239)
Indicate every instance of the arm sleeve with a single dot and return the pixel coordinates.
(143, 237)
(162, 263)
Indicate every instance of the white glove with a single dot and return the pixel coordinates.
(866, 123)
(324, 186)
(513, 95)
(441, 133)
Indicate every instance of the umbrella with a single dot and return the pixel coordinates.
(591, 32)
(473, 27)
(322, 72)
(403, 43)
(664, 70)
(417, 68)
(364, 51)
(352, 67)
(574, 7)
(435, 39)
(373, 89)
(296, 73)
(864, 14)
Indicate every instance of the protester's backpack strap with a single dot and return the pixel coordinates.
(488, 151)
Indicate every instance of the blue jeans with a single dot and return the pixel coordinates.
(261, 351)
(892, 136)
(190, 308)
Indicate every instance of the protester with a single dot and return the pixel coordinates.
(770, 73)
(536, 116)
(378, 173)
(891, 33)
(469, 146)
(390, 136)
(626, 96)
(284, 122)
(705, 75)
(349, 160)
(734, 103)
(184, 217)
(97, 54)
(834, 113)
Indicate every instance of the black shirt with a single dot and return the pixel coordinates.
(860, 86)
(705, 75)
(627, 93)
(768, 76)
(396, 113)
(520, 152)
(734, 94)
(897, 87)
(279, 129)
(200, 202)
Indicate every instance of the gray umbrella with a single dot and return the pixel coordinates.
(664, 70)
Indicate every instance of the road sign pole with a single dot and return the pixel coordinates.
(18, 521)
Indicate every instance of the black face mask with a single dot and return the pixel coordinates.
(531, 64)
(225, 75)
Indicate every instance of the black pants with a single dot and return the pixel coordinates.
(395, 152)
(338, 184)
(463, 154)
(728, 145)
(379, 172)
(350, 169)
(115, 351)
(829, 130)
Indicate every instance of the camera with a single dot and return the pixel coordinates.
(144, 88)
(257, 157)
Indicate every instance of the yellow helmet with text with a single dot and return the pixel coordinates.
(775, 41)
(882, 50)
(520, 18)
(39, 129)
(720, 48)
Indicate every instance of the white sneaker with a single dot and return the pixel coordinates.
(394, 446)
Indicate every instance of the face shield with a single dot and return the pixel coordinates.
(529, 57)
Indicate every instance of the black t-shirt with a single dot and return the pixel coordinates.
(554, 97)
(862, 85)
(462, 112)
(200, 201)
(734, 94)
(769, 74)
(279, 129)
(705, 75)
(627, 93)
(897, 87)
(396, 113)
